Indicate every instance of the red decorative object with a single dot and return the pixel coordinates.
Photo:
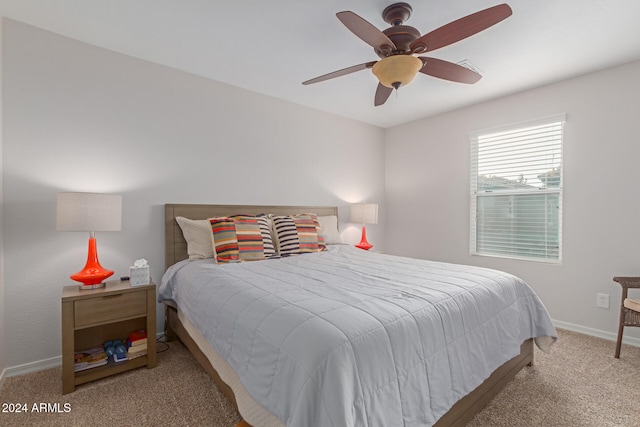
(363, 241)
(93, 273)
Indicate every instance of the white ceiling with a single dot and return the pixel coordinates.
(272, 46)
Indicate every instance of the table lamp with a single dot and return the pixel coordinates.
(364, 213)
(89, 212)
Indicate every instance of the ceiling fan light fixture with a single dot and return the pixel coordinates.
(396, 71)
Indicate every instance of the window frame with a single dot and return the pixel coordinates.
(475, 194)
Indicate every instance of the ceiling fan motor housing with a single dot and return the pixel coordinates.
(401, 35)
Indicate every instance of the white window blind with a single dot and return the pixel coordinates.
(516, 190)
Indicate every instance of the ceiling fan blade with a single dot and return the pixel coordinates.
(366, 31)
(448, 71)
(382, 94)
(461, 29)
(339, 73)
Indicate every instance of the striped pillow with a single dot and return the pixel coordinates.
(249, 237)
(295, 234)
(322, 245)
(265, 229)
(242, 238)
(225, 241)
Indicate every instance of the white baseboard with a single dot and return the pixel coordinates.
(596, 333)
(39, 365)
(2, 377)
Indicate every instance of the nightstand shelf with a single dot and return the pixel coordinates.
(91, 317)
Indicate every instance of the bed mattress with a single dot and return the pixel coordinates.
(352, 338)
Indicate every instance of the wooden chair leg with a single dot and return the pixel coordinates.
(619, 342)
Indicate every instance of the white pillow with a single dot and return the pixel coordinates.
(329, 225)
(197, 233)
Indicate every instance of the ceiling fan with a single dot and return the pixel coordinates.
(397, 45)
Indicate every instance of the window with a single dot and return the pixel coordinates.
(516, 191)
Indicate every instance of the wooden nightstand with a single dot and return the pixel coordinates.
(91, 317)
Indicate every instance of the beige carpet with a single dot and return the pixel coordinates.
(177, 393)
(578, 384)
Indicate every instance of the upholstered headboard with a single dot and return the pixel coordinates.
(176, 246)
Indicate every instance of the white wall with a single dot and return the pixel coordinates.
(80, 118)
(427, 191)
(2, 311)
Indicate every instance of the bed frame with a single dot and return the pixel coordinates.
(176, 250)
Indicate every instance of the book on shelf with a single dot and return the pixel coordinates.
(138, 347)
(78, 368)
(91, 358)
(137, 354)
(137, 338)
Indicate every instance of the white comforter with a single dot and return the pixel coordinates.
(352, 338)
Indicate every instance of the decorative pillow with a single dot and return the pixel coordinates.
(295, 234)
(322, 245)
(224, 239)
(242, 238)
(197, 233)
(248, 237)
(329, 227)
(267, 241)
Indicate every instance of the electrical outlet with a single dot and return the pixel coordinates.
(602, 300)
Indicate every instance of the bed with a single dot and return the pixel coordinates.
(442, 376)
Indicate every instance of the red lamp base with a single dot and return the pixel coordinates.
(92, 275)
(363, 241)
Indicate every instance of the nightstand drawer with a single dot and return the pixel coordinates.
(109, 307)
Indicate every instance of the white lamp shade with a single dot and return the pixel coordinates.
(364, 213)
(89, 212)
